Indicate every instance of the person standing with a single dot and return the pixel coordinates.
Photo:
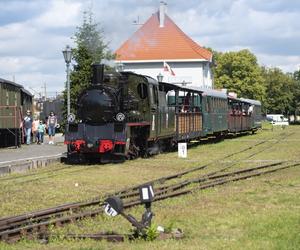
(35, 132)
(27, 125)
(51, 124)
(41, 131)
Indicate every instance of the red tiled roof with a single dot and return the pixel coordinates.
(152, 42)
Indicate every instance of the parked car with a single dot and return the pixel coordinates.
(278, 119)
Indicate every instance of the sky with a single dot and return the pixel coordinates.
(33, 33)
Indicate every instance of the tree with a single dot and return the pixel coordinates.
(296, 94)
(90, 48)
(239, 72)
(279, 91)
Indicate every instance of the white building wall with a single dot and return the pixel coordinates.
(193, 73)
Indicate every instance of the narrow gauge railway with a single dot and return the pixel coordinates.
(123, 115)
(32, 177)
(12, 228)
(12, 233)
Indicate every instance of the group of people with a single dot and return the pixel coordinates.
(37, 128)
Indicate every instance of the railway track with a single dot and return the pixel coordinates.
(32, 177)
(36, 224)
(15, 228)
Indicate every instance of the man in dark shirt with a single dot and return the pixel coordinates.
(27, 125)
(51, 124)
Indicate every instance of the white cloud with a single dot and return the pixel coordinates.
(60, 14)
(286, 63)
(33, 33)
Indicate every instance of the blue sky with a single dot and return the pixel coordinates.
(34, 32)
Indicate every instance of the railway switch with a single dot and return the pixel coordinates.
(113, 206)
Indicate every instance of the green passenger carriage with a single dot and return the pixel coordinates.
(14, 101)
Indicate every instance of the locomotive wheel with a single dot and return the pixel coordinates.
(133, 152)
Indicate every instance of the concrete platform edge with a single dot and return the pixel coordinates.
(24, 165)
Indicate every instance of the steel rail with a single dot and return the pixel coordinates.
(41, 228)
(68, 206)
(42, 215)
(46, 214)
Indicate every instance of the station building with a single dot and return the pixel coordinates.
(160, 47)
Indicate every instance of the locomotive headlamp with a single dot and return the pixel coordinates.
(71, 118)
(120, 117)
(160, 77)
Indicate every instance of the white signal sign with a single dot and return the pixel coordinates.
(110, 211)
(182, 150)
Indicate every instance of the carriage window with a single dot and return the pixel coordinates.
(162, 98)
(142, 90)
(153, 94)
(209, 105)
(16, 99)
(7, 98)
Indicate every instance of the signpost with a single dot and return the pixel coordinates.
(182, 150)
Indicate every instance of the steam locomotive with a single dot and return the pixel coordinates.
(123, 115)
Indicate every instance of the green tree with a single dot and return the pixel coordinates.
(239, 72)
(90, 48)
(279, 91)
(296, 94)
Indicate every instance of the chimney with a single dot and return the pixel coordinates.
(162, 9)
(98, 74)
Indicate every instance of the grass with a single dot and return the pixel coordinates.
(258, 213)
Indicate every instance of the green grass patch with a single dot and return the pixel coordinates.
(258, 213)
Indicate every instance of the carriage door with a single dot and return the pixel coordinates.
(154, 111)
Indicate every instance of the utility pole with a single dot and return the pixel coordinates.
(45, 90)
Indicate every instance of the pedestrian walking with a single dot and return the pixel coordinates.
(35, 124)
(51, 124)
(41, 131)
(27, 125)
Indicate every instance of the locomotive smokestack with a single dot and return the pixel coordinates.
(98, 73)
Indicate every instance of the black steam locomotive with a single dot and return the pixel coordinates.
(125, 115)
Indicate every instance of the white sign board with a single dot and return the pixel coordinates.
(110, 211)
(182, 150)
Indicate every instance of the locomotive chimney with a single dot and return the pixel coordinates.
(98, 73)
(162, 10)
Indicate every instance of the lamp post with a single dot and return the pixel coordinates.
(159, 77)
(120, 67)
(67, 52)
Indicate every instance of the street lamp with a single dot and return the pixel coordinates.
(159, 77)
(120, 67)
(67, 52)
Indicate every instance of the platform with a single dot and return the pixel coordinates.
(31, 156)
